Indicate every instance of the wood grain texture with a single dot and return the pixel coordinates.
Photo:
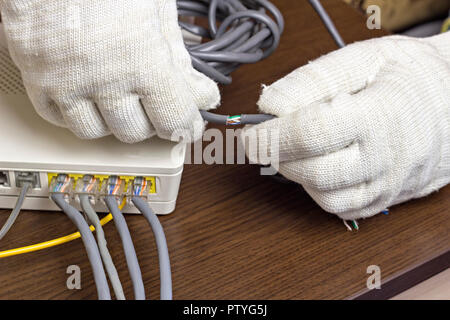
(236, 234)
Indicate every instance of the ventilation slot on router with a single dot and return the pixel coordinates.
(10, 79)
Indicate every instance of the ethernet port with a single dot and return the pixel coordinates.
(31, 177)
(4, 179)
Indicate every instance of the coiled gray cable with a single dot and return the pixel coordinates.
(247, 34)
(89, 242)
(102, 245)
(161, 243)
(15, 213)
(128, 247)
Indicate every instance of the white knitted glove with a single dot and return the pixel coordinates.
(365, 127)
(108, 66)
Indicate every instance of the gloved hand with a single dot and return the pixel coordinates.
(108, 66)
(365, 127)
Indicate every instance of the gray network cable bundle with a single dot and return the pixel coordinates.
(249, 31)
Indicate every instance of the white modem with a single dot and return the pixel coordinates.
(32, 145)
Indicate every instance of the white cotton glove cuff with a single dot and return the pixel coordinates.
(365, 127)
(108, 66)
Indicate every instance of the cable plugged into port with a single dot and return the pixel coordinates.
(114, 187)
(88, 186)
(32, 178)
(65, 188)
(25, 187)
(62, 184)
(97, 187)
(141, 187)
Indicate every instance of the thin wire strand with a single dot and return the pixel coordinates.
(347, 226)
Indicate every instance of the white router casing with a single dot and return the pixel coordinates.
(31, 144)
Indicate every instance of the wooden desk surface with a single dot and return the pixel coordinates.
(236, 234)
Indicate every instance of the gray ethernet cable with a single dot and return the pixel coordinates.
(161, 243)
(247, 34)
(89, 242)
(329, 24)
(128, 247)
(102, 245)
(15, 213)
(243, 119)
(139, 195)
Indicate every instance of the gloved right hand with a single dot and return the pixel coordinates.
(108, 66)
(365, 127)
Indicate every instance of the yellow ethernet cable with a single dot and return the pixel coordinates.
(54, 242)
(446, 25)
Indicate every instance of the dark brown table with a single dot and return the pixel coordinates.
(238, 235)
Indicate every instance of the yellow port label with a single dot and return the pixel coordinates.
(102, 177)
(153, 184)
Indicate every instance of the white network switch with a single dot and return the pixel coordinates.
(30, 144)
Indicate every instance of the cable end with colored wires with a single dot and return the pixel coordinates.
(62, 184)
(141, 187)
(234, 120)
(352, 226)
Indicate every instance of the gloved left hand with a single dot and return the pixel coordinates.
(108, 66)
